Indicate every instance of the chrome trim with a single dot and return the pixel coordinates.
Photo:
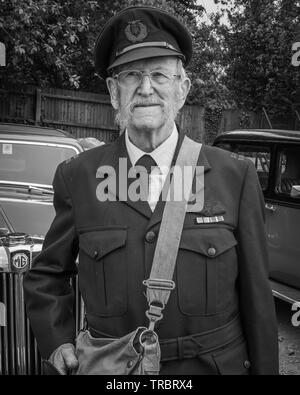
(20, 320)
(2, 314)
(283, 297)
(285, 292)
(26, 201)
(26, 184)
(74, 148)
(270, 207)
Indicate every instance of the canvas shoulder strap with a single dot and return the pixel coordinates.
(160, 283)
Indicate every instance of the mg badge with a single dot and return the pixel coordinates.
(20, 261)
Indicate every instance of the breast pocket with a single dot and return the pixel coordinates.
(206, 270)
(103, 271)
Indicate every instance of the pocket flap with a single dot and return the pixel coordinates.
(234, 360)
(207, 241)
(99, 243)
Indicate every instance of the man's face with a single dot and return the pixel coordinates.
(147, 105)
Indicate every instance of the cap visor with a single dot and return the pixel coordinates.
(143, 53)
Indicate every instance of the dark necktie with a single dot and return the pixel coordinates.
(147, 162)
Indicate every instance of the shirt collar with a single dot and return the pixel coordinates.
(162, 155)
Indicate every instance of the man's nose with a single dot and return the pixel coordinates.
(145, 87)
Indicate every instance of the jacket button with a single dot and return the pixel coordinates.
(211, 251)
(150, 236)
(95, 254)
(130, 364)
(247, 364)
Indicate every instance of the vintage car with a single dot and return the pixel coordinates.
(276, 156)
(29, 156)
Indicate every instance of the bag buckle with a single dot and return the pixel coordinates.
(154, 314)
(156, 283)
(158, 291)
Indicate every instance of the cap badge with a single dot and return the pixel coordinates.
(136, 31)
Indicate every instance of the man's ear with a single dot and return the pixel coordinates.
(112, 86)
(184, 88)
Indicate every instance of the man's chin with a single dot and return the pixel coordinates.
(147, 123)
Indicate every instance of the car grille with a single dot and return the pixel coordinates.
(19, 353)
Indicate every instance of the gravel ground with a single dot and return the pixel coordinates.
(289, 339)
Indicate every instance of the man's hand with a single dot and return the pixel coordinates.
(64, 358)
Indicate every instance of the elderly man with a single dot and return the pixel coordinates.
(220, 318)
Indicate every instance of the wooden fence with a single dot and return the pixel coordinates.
(86, 114)
(81, 114)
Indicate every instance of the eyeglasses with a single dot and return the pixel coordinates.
(131, 78)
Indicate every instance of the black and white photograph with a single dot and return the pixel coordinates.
(149, 190)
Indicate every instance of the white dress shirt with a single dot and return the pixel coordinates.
(163, 156)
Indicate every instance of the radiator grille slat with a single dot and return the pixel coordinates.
(19, 353)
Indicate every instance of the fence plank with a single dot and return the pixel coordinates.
(81, 125)
(38, 106)
(75, 99)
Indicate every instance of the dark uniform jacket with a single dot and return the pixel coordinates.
(221, 270)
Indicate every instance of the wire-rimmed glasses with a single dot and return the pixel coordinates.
(131, 78)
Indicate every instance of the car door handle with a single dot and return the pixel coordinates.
(270, 207)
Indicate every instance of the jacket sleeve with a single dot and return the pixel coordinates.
(48, 293)
(256, 300)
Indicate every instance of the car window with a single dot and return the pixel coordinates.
(31, 163)
(289, 170)
(31, 218)
(260, 156)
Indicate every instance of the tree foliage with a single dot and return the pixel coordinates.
(257, 53)
(44, 41)
(50, 42)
